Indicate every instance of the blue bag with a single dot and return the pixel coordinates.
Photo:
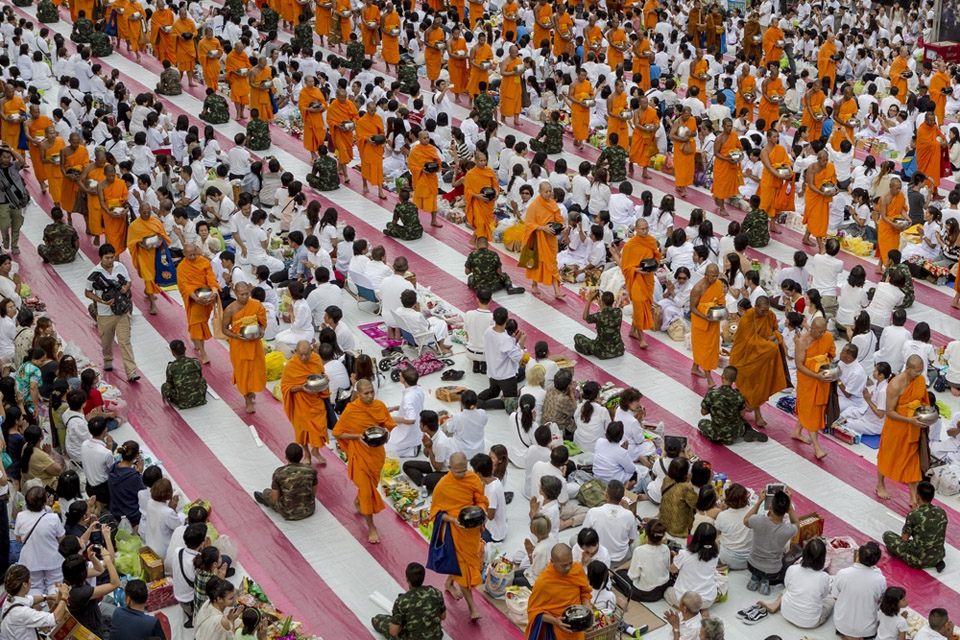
(165, 268)
(442, 556)
(111, 30)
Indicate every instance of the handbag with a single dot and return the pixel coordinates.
(442, 555)
(784, 200)
(529, 255)
(80, 203)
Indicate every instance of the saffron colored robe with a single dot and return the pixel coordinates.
(843, 113)
(478, 74)
(511, 90)
(210, 64)
(616, 125)
(426, 186)
(684, 164)
(640, 285)
(452, 496)
(727, 177)
(541, 212)
(144, 260)
(814, 126)
(314, 131)
(643, 146)
(770, 183)
(94, 210)
(432, 55)
(705, 335)
(11, 130)
(337, 113)
(186, 49)
(36, 129)
(760, 366)
(371, 155)
(457, 67)
(898, 66)
(364, 463)
(72, 160)
(238, 76)
(480, 213)
(164, 46)
(552, 593)
(192, 275)
(888, 236)
(813, 394)
(307, 412)
(246, 356)
(115, 227)
(899, 454)
(747, 85)
(816, 209)
(55, 178)
(928, 151)
(390, 47)
(260, 93)
(579, 114)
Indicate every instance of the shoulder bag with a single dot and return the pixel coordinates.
(442, 555)
(182, 572)
(32, 529)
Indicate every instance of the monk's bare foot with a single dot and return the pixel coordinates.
(697, 372)
(645, 175)
(558, 293)
(955, 305)
(809, 242)
(760, 423)
(475, 614)
(206, 360)
(320, 460)
(882, 492)
(711, 383)
(250, 408)
(723, 212)
(643, 343)
(373, 537)
(802, 438)
(913, 503)
(454, 590)
(356, 504)
(153, 309)
(775, 230)
(535, 290)
(436, 224)
(820, 454)
(382, 195)
(634, 334)
(366, 189)
(630, 169)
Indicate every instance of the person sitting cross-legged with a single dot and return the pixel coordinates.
(412, 319)
(185, 387)
(726, 407)
(921, 543)
(417, 613)
(771, 531)
(293, 491)
(437, 446)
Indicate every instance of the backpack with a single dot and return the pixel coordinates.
(593, 493)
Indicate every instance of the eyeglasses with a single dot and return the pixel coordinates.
(682, 279)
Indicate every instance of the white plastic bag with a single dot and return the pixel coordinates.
(946, 479)
(841, 553)
(517, 598)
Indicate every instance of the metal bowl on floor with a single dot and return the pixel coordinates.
(589, 102)
(205, 295)
(347, 126)
(251, 331)
(829, 189)
(717, 313)
(378, 139)
(784, 172)
(649, 265)
(489, 193)
(736, 155)
(431, 167)
(375, 436)
(831, 370)
(578, 617)
(927, 415)
(316, 383)
(472, 517)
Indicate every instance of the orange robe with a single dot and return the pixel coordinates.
(290, 10)
(813, 394)
(552, 593)
(770, 111)
(727, 177)
(192, 275)
(210, 63)
(238, 80)
(650, 13)
(36, 129)
(371, 155)
(816, 208)
(843, 113)
(510, 26)
(246, 356)
(814, 126)
(760, 366)
(928, 151)
(771, 52)
(186, 49)
(511, 90)
(938, 82)
(370, 39)
(307, 412)
(163, 45)
(615, 55)
(541, 212)
(390, 49)
(426, 185)
(314, 131)
(641, 63)
(346, 24)
(73, 160)
(260, 95)
(749, 85)
(479, 213)
(115, 228)
(134, 25)
(643, 146)
(364, 463)
(826, 67)
(700, 68)
(432, 55)
(94, 210)
(475, 13)
(888, 236)
(898, 66)
(616, 125)
(684, 163)
(899, 454)
(640, 285)
(451, 496)
(55, 175)
(770, 183)
(459, 73)
(478, 74)
(123, 27)
(544, 15)
(705, 335)
(324, 19)
(11, 130)
(338, 113)
(579, 114)
(144, 260)
(564, 27)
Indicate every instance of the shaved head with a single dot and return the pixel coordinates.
(458, 462)
(560, 552)
(303, 350)
(240, 287)
(915, 363)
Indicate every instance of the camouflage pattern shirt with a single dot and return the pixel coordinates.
(609, 343)
(169, 84)
(185, 386)
(324, 176)
(258, 135)
(724, 404)
(407, 76)
(355, 54)
(550, 138)
(616, 158)
(268, 19)
(82, 30)
(406, 222)
(756, 227)
(215, 109)
(908, 295)
(485, 106)
(484, 266)
(418, 612)
(100, 45)
(303, 36)
(297, 484)
(47, 12)
(58, 243)
(927, 527)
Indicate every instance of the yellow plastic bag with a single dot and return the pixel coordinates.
(391, 468)
(513, 237)
(277, 393)
(275, 364)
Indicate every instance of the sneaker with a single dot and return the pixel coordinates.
(754, 583)
(756, 614)
(764, 588)
(514, 291)
(258, 496)
(752, 435)
(743, 613)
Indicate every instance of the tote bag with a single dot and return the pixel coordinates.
(529, 255)
(442, 556)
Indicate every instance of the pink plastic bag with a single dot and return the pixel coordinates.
(841, 553)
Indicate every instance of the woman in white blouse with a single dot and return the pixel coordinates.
(301, 324)
(8, 329)
(522, 425)
(599, 193)
(806, 602)
(162, 517)
(40, 531)
(257, 240)
(737, 539)
(20, 618)
(591, 418)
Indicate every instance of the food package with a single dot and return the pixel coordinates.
(160, 595)
(198, 503)
(151, 564)
(391, 467)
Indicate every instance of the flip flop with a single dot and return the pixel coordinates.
(452, 375)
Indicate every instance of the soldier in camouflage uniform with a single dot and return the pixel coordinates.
(215, 109)
(609, 319)
(894, 265)
(407, 76)
(258, 133)
(60, 241)
(726, 406)
(418, 612)
(485, 105)
(268, 19)
(406, 220)
(484, 269)
(303, 35)
(100, 45)
(296, 487)
(47, 12)
(82, 29)
(550, 138)
(614, 157)
(755, 224)
(236, 7)
(921, 543)
(169, 84)
(355, 55)
(185, 387)
(325, 174)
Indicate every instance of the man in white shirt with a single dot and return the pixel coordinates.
(475, 323)
(409, 317)
(858, 590)
(76, 425)
(853, 379)
(616, 526)
(580, 186)
(938, 627)
(437, 446)
(229, 276)
(623, 213)
(109, 325)
(470, 128)
(324, 295)
(96, 455)
(503, 353)
(183, 572)
(892, 339)
(377, 269)
(335, 371)
(825, 269)
(405, 439)
(572, 513)
(332, 317)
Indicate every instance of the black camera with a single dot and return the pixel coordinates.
(111, 290)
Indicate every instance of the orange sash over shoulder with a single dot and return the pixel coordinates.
(246, 356)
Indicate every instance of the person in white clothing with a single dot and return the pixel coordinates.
(867, 419)
(324, 294)
(467, 427)
(649, 568)
(886, 297)
(475, 323)
(162, 517)
(301, 323)
(825, 269)
(437, 447)
(96, 455)
(39, 530)
(857, 590)
(391, 289)
(612, 460)
(938, 626)
(806, 601)
(737, 537)
(522, 425)
(853, 379)
(696, 568)
(616, 525)
(21, 620)
(591, 418)
(892, 339)
(411, 318)
(405, 438)
(539, 451)
(495, 529)
(183, 570)
(502, 351)
(588, 548)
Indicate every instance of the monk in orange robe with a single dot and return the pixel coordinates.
(714, 29)
(50, 149)
(324, 21)
(813, 112)
(930, 141)
(144, 258)
(118, 9)
(185, 35)
(161, 27)
(306, 410)
(642, 58)
(312, 104)
(562, 584)
(390, 49)
(699, 67)
(82, 5)
(364, 463)
(773, 156)
(342, 117)
(684, 136)
(475, 11)
(899, 454)
(815, 348)
(246, 353)
(426, 184)
(898, 67)
(194, 272)
(643, 146)
(371, 153)
(133, 16)
(759, 356)
(580, 112)
(542, 211)
(563, 31)
(771, 95)
(511, 86)
(650, 13)
(457, 490)
(593, 39)
(112, 196)
(746, 97)
(843, 110)
(209, 52)
(616, 44)
(371, 35)
(73, 160)
(727, 175)
(542, 23)
(14, 112)
(92, 175)
(816, 210)
(36, 131)
(457, 64)
(480, 57)
(892, 209)
(705, 332)
(939, 81)
(642, 246)
(772, 44)
(433, 51)
(826, 65)
(616, 105)
(346, 21)
(260, 88)
(511, 13)
(238, 76)
(479, 207)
